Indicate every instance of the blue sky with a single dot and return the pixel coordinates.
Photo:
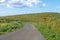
(13, 7)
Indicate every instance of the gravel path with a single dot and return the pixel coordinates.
(28, 32)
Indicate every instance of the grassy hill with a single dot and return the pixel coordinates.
(47, 23)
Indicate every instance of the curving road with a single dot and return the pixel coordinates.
(28, 32)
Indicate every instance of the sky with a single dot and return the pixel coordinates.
(15, 7)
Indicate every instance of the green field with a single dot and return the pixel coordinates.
(47, 23)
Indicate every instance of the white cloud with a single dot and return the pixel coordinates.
(17, 3)
(13, 1)
(8, 5)
(43, 4)
(29, 4)
(2, 1)
(21, 3)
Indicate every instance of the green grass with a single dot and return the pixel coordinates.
(48, 34)
(9, 27)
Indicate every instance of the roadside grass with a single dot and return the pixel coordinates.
(48, 34)
(9, 27)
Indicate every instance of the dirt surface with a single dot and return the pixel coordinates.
(28, 32)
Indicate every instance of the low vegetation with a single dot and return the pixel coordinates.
(47, 23)
(9, 27)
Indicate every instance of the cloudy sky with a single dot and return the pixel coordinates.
(12, 7)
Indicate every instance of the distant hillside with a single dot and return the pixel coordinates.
(31, 17)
